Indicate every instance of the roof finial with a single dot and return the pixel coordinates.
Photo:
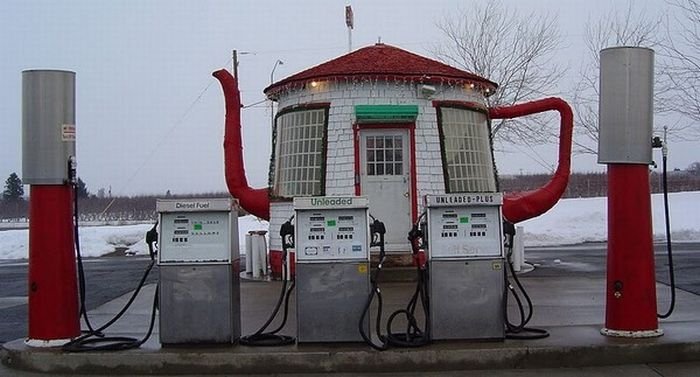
(379, 40)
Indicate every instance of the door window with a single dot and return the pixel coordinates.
(384, 155)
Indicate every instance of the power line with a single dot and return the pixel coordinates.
(162, 141)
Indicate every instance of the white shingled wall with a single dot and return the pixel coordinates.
(343, 96)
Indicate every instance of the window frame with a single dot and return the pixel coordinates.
(272, 174)
(467, 106)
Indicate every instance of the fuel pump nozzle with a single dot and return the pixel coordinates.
(151, 239)
(287, 235)
(509, 236)
(416, 238)
(378, 230)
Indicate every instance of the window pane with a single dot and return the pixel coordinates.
(370, 142)
(370, 169)
(389, 155)
(467, 151)
(299, 153)
(389, 169)
(398, 169)
(380, 169)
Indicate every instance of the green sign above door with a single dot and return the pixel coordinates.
(386, 113)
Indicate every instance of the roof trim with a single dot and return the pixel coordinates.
(385, 63)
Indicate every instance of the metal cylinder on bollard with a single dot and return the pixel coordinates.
(625, 122)
(48, 150)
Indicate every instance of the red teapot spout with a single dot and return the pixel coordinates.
(255, 201)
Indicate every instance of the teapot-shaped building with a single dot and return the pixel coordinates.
(387, 124)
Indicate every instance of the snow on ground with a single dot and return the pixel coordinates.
(96, 241)
(574, 221)
(571, 221)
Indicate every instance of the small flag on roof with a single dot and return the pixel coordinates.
(349, 18)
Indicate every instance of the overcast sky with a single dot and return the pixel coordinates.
(149, 114)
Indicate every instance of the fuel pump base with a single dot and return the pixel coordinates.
(330, 299)
(632, 334)
(467, 299)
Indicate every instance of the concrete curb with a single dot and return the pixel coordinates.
(512, 354)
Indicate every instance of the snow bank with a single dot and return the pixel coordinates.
(571, 221)
(100, 240)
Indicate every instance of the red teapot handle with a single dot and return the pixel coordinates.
(520, 206)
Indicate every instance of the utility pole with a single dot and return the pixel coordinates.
(235, 64)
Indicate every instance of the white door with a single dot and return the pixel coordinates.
(385, 181)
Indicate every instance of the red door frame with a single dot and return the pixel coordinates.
(411, 127)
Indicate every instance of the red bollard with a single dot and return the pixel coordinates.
(630, 297)
(626, 116)
(48, 165)
(53, 288)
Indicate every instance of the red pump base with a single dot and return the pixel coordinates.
(53, 289)
(630, 301)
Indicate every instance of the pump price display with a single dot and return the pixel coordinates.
(464, 225)
(331, 234)
(195, 236)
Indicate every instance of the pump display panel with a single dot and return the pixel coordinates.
(464, 225)
(194, 234)
(324, 233)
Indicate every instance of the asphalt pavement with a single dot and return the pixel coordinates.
(567, 288)
(688, 369)
(107, 279)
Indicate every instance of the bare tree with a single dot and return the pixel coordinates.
(683, 68)
(512, 49)
(617, 28)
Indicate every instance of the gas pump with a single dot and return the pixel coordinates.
(332, 270)
(199, 271)
(466, 266)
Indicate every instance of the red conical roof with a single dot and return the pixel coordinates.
(382, 62)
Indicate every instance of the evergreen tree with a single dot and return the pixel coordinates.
(13, 188)
(82, 189)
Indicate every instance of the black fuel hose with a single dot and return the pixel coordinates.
(79, 258)
(413, 336)
(262, 338)
(667, 217)
(374, 292)
(520, 330)
(94, 339)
